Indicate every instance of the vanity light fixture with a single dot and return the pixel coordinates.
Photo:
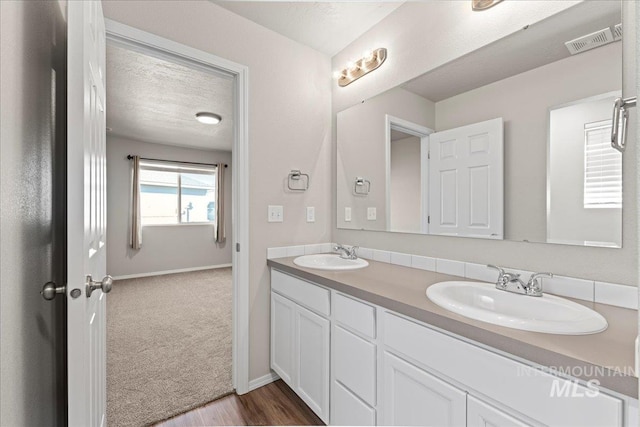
(208, 118)
(483, 4)
(370, 60)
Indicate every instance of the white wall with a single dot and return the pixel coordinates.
(289, 128)
(405, 186)
(32, 213)
(421, 36)
(169, 247)
(568, 219)
(361, 151)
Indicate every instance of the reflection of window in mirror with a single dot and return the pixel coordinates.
(585, 174)
(602, 168)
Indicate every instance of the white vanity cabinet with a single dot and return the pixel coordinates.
(300, 333)
(355, 363)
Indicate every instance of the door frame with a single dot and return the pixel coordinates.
(422, 132)
(133, 38)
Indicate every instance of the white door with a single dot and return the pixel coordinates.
(86, 221)
(413, 397)
(466, 181)
(481, 414)
(312, 361)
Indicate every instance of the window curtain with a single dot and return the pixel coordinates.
(135, 237)
(220, 234)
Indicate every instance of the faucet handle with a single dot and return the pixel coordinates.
(533, 286)
(495, 267)
(535, 276)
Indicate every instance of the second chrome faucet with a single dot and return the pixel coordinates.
(511, 282)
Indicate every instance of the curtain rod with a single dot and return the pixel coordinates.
(129, 157)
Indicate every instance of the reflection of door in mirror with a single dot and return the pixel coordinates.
(585, 174)
(466, 186)
(407, 172)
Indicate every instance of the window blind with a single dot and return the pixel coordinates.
(602, 168)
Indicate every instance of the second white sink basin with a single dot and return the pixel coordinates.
(548, 313)
(329, 262)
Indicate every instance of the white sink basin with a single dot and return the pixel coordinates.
(329, 262)
(548, 314)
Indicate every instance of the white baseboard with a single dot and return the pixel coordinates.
(263, 380)
(161, 273)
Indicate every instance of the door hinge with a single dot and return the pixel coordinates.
(429, 155)
(429, 219)
(237, 247)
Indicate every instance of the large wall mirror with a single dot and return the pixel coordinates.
(508, 142)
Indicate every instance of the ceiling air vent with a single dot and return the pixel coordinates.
(590, 41)
(617, 32)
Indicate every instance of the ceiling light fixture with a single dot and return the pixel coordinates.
(208, 118)
(371, 59)
(483, 4)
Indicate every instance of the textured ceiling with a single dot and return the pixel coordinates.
(153, 100)
(325, 26)
(540, 44)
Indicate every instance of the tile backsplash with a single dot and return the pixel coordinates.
(588, 290)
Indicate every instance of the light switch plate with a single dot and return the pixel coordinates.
(371, 214)
(276, 213)
(311, 214)
(347, 214)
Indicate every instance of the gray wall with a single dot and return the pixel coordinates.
(420, 38)
(289, 128)
(523, 101)
(169, 247)
(32, 251)
(568, 218)
(405, 190)
(361, 152)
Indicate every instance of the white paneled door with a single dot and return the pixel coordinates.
(86, 220)
(466, 181)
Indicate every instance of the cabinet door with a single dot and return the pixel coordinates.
(348, 410)
(481, 414)
(312, 361)
(282, 334)
(413, 397)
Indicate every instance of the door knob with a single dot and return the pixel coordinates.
(104, 285)
(50, 290)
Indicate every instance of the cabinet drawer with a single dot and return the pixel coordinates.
(354, 364)
(348, 410)
(501, 378)
(309, 295)
(354, 314)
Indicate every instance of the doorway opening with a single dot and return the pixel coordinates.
(177, 317)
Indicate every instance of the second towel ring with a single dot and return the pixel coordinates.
(362, 186)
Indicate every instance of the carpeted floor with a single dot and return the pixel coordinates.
(168, 345)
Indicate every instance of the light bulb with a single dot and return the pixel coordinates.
(208, 118)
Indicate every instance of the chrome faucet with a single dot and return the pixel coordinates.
(346, 252)
(511, 282)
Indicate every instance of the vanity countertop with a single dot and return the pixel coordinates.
(606, 356)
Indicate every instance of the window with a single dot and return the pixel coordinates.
(172, 193)
(602, 168)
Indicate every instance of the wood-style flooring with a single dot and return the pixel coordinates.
(274, 404)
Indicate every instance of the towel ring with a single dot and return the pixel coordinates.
(297, 175)
(363, 184)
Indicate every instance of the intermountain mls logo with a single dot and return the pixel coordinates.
(566, 386)
(573, 388)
